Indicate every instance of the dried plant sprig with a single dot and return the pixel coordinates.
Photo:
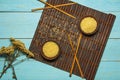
(10, 60)
(14, 74)
(58, 9)
(12, 54)
(7, 50)
(60, 5)
(20, 61)
(21, 46)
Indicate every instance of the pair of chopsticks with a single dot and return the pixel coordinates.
(60, 5)
(56, 7)
(75, 57)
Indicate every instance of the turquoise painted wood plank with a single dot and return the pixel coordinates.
(112, 50)
(108, 71)
(19, 5)
(13, 24)
(27, 5)
(115, 33)
(34, 70)
(102, 5)
(111, 53)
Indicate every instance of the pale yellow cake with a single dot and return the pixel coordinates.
(88, 25)
(50, 49)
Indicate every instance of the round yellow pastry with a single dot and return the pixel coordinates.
(50, 49)
(88, 25)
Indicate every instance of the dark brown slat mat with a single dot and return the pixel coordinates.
(54, 25)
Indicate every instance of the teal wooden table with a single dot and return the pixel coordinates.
(17, 20)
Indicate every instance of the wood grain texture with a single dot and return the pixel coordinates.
(17, 21)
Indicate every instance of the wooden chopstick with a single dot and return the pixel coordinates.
(75, 58)
(58, 9)
(60, 5)
(80, 70)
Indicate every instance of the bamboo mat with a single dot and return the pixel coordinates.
(54, 25)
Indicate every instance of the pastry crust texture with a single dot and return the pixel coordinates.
(88, 25)
(50, 49)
